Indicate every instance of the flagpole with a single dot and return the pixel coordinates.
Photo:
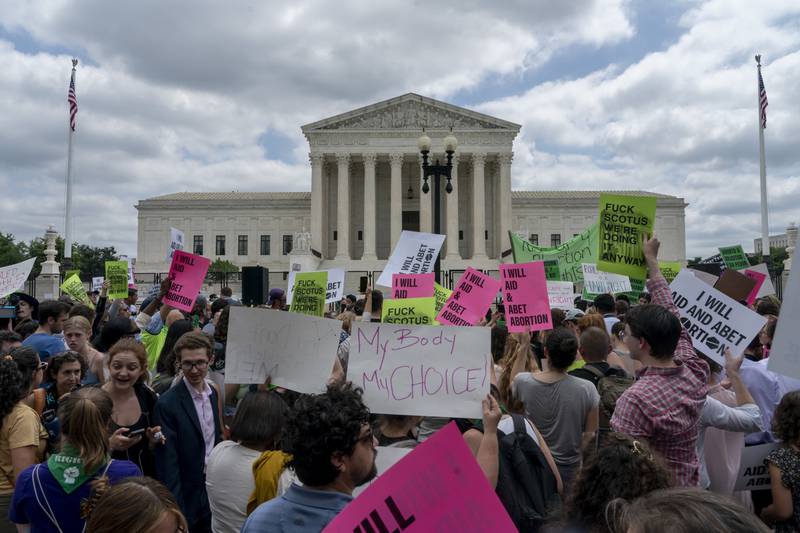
(68, 210)
(765, 251)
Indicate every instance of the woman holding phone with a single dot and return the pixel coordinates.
(133, 435)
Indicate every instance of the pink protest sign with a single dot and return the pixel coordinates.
(437, 487)
(525, 293)
(412, 285)
(187, 273)
(759, 278)
(469, 301)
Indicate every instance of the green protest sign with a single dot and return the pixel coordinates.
(68, 274)
(623, 220)
(552, 272)
(117, 276)
(734, 257)
(441, 294)
(669, 269)
(417, 311)
(570, 256)
(308, 296)
(73, 286)
(637, 288)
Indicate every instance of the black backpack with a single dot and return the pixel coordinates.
(525, 483)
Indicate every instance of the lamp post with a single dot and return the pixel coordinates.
(437, 171)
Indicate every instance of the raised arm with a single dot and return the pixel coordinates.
(488, 456)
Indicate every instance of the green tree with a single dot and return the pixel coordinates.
(220, 267)
(11, 251)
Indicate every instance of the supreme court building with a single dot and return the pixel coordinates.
(366, 188)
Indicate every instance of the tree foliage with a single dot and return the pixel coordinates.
(90, 260)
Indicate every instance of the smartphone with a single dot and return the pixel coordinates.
(8, 311)
(135, 433)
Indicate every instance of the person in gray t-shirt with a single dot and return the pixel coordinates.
(563, 407)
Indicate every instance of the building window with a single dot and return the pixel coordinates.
(534, 239)
(461, 235)
(242, 244)
(555, 239)
(197, 247)
(575, 234)
(360, 235)
(265, 245)
(287, 244)
(220, 245)
(335, 235)
(486, 235)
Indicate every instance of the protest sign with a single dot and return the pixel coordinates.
(705, 277)
(669, 269)
(97, 283)
(713, 320)
(525, 294)
(598, 282)
(421, 370)
(560, 294)
(13, 277)
(73, 286)
(441, 294)
(296, 351)
(758, 280)
(117, 276)
(623, 220)
(753, 470)
(784, 356)
(175, 242)
(415, 253)
(471, 298)
(417, 311)
(552, 272)
(69, 273)
(335, 291)
(760, 271)
(187, 273)
(735, 285)
(309, 291)
(386, 458)
(734, 257)
(580, 249)
(412, 285)
(131, 277)
(437, 487)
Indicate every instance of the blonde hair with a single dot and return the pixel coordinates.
(78, 322)
(515, 343)
(85, 415)
(138, 502)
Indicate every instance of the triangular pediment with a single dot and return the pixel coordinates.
(410, 112)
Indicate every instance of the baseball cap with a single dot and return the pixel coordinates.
(275, 294)
(574, 314)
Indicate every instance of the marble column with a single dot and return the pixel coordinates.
(318, 226)
(369, 207)
(396, 197)
(452, 212)
(478, 206)
(505, 204)
(425, 209)
(343, 208)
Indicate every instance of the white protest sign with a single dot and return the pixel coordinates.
(176, 241)
(335, 291)
(599, 282)
(386, 458)
(753, 470)
(421, 370)
(705, 277)
(784, 356)
(13, 277)
(97, 283)
(415, 253)
(713, 320)
(296, 350)
(561, 294)
(767, 288)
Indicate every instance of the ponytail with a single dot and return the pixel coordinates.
(84, 416)
(16, 375)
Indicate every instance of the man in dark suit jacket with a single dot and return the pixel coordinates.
(189, 417)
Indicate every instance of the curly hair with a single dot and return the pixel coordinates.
(321, 426)
(623, 468)
(16, 377)
(786, 421)
(57, 361)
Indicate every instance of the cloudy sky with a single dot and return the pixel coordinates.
(207, 95)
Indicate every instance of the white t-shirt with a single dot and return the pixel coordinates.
(230, 482)
(506, 425)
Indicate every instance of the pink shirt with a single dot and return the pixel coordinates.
(205, 413)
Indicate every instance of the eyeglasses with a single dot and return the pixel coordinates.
(199, 365)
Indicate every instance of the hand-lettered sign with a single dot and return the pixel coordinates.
(580, 249)
(470, 299)
(187, 273)
(527, 305)
(561, 294)
(12, 277)
(598, 282)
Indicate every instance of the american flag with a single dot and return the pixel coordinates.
(73, 102)
(762, 100)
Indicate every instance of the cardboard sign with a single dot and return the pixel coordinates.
(13, 277)
(734, 257)
(766, 288)
(308, 293)
(527, 305)
(415, 253)
(713, 320)
(437, 487)
(757, 278)
(421, 370)
(472, 296)
(441, 294)
(669, 269)
(117, 276)
(187, 273)
(735, 285)
(73, 286)
(784, 357)
(569, 255)
(416, 311)
(176, 241)
(598, 282)
(754, 470)
(296, 350)
(97, 283)
(561, 295)
(387, 457)
(623, 220)
(413, 285)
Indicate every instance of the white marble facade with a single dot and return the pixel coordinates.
(366, 188)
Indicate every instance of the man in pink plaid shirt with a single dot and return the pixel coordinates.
(663, 406)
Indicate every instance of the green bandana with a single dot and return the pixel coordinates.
(67, 468)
